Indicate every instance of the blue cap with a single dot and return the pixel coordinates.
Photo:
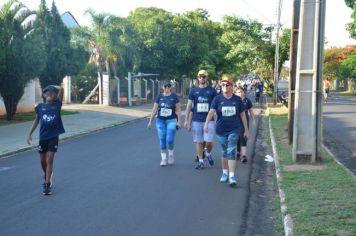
(50, 88)
(166, 82)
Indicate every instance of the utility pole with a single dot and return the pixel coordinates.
(276, 54)
(293, 67)
(308, 91)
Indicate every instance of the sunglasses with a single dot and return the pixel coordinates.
(202, 76)
(225, 85)
(167, 86)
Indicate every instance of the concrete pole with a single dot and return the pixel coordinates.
(145, 80)
(100, 89)
(293, 66)
(276, 54)
(118, 90)
(307, 119)
(153, 89)
(129, 96)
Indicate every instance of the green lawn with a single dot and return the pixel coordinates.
(320, 201)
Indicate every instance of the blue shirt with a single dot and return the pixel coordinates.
(50, 119)
(247, 105)
(202, 98)
(167, 106)
(228, 112)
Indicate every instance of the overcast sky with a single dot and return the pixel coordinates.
(337, 14)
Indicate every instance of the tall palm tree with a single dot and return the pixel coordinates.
(100, 41)
(19, 56)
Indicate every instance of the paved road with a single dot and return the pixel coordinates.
(110, 183)
(339, 129)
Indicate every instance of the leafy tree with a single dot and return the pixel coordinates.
(18, 55)
(57, 42)
(351, 27)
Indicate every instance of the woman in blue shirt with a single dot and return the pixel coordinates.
(230, 118)
(168, 110)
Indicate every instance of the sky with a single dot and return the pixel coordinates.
(265, 11)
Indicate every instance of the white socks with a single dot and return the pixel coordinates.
(170, 152)
(164, 156)
(225, 171)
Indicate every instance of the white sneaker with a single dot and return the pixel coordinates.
(163, 162)
(170, 160)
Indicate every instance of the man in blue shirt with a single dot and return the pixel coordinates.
(48, 114)
(199, 102)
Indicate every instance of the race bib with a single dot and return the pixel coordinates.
(202, 107)
(165, 112)
(228, 111)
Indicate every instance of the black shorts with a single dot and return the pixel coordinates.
(48, 145)
(327, 90)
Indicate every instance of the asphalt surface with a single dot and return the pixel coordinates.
(339, 129)
(110, 183)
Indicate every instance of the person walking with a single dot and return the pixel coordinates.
(230, 118)
(326, 85)
(48, 114)
(200, 99)
(242, 142)
(258, 91)
(168, 110)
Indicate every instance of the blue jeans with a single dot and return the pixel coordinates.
(166, 130)
(228, 145)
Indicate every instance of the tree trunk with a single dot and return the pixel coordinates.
(11, 107)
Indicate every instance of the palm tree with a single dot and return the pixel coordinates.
(102, 44)
(19, 56)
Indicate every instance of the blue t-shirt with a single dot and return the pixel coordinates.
(50, 119)
(202, 98)
(167, 106)
(247, 105)
(228, 112)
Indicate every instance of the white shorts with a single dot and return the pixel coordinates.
(199, 136)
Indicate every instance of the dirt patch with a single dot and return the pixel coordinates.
(283, 141)
(299, 167)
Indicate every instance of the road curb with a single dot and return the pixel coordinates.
(74, 136)
(286, 217)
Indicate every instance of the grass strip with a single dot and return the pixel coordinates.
(320, 197)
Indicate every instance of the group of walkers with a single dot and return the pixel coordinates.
(207, 114)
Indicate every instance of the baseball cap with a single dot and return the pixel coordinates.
(203, 72)
(50, 88)
(227, 79)
(166, 82)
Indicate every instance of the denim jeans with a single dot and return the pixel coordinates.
(228, 145)
(166, 130)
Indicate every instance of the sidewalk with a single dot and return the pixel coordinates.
(91, 117)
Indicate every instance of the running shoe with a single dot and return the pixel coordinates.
(200, 165)
(163, 162)
(47, 190)
(232, 181)
(223, 178)
(170, 160)
(244, 159)
(210, 160)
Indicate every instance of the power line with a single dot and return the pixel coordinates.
(258, 12)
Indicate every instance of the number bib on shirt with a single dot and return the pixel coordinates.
(165, 112)
(228, 111)
(202, 107)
